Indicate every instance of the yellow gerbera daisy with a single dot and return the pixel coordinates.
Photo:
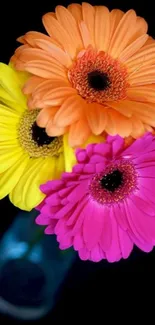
(28, 157)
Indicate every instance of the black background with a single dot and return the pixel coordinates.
(101, 292)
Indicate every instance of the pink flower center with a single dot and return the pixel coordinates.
(98, 77)
(115, 183)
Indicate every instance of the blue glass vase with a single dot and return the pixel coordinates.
(32, 269)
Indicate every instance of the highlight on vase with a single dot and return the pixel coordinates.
(94, 71)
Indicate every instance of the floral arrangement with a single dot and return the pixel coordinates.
(77, 118)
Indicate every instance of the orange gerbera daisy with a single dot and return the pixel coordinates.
(95, 72)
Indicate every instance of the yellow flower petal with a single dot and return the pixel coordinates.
(69, 153)
(8, 157)
(4, 96)
(94, 139)
(7, 112)
(60, 166)
(9, 178)
(21, 76)
(9, 82)
(6, 133)
(26, 195)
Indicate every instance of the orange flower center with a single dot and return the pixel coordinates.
(98, 77)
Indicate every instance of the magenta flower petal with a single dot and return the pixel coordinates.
(78, 169)
(49, 186)
(144, 246)
(53, 199)
(97, 158)
(76, 215)
(65, 241)
(114, 252)
(143, 223)
(145, 159)
(49, 211)
(84, 254)
(96, 254)
(81, 155)
(63, 193)
(89, 169)
(61, 228)
(94, 221)
(106, 235)
(126, 243)
(147, 171)
(78, 241)
(149, 195)
(43, 220)
(120, 215)
(103, 150)
(99, 167)
(90, 149)
(51, 228)
(117, 146)
(66, 210)
(143, 205)
(106, 205)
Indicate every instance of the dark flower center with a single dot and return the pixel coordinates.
(112, 180)
(40, 136)
(98, 80)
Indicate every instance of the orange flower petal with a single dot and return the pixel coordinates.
(85, 34)
(31, 84)
(133, 48)
(45, 69)
(54, 97)
(76, 11)
(70, 25)
(102, 28)
(144, 111)
(122, 33)
(70, 111)
(97, 118)
(79, 132)
(56, 52)
(21, 39)
(146, 56)
(88, 13)
(149, 41)
(148, 128)
(46, 115)
(138, 128)
(145, 75)
(15, 58)
(115, 17)
(30, 54)
(30, 38)
(118, 124)
(55, 131)
(56, 31)
(142, 93)
(59, 92)
(47, 85)
(141, 28)
(121, 107)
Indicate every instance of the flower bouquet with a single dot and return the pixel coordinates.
(77, 118)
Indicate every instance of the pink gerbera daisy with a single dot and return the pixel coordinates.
(106, 204)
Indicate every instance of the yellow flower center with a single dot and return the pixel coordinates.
(35, 140)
